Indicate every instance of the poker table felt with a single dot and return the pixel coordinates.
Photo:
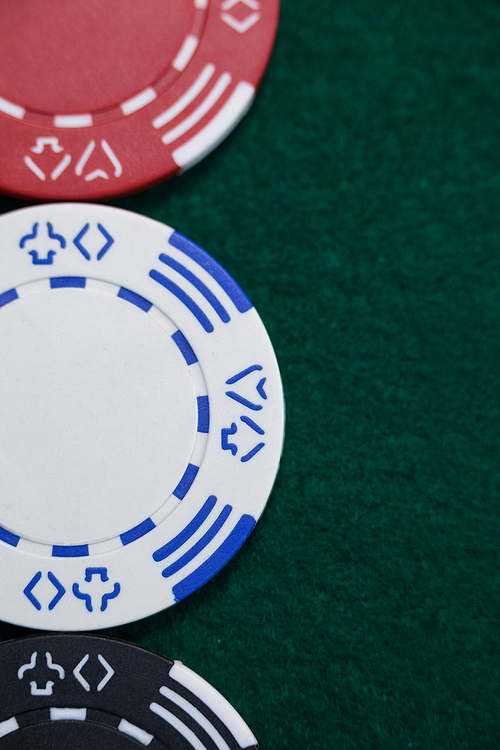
(358, 205)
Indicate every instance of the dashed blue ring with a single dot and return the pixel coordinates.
(183, 487)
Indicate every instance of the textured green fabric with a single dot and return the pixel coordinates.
(358, 205)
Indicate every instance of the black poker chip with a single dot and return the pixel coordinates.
(81, 692)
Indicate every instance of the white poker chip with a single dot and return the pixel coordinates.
(141, 414)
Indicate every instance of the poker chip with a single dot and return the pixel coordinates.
(81, 691)
(104, 99)
(142, 416)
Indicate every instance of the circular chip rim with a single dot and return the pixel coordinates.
(157, 701)
(218, 502)
(172, 123)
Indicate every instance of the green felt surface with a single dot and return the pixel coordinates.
(358, 206)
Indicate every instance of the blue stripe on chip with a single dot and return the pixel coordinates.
(142, 528)
(135, 299)
(185, 348)
(76, 550)
(9, 537)
(183, 297)
(203, 414)
(221, 276)
(7, 297)
(220, 557)
(196, 282)
(186, 481)
(187, 532)
(60, 282)
(200, 544)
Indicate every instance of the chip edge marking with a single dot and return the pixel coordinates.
(214, 268)
(217, 560)
(216, 702)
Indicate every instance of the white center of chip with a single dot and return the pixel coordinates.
(98, 416)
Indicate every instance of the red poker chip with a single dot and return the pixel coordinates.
(99, 100)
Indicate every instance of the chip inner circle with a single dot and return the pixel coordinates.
(72, 57)
(98, 416)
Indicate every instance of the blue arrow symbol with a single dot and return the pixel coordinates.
(29, 588)
(260, 389)
(109, 242)
(60, 589)
(78, 243)
(104, 249)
